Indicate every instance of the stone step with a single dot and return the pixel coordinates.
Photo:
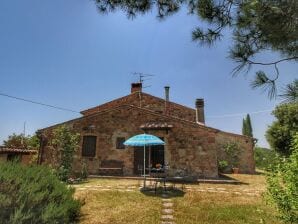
(168, 205)
(167, 217)
(167, 211)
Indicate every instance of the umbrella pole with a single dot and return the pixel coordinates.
(144, 166)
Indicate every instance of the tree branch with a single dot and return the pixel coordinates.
(273, 63)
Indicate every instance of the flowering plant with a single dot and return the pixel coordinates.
(158, 165)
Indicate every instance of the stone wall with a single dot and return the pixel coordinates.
(24, 158)
(190, 148)
(3, 157)
(27, 158)
(246, 153)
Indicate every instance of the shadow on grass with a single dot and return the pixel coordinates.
(162, 193)
(234, 181)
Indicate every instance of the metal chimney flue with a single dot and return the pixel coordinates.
(167, 99)
(167, 93)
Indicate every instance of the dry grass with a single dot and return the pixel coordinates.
(193, 208)
(120, 208)
(202, 208)
(248, 183)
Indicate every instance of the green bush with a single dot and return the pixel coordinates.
(282, 186)
(264, 157)
(232, 151)
(281, 132)
(66, 142)
(222, 165)
(34, 195)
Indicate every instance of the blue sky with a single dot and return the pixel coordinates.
(64, 53)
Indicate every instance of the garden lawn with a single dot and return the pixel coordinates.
(202, 208)
(201, 203)
(115, 207)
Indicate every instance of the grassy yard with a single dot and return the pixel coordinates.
(120, 207)
(201, 208)
(120, 201)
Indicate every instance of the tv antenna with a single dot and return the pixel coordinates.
(143, 77)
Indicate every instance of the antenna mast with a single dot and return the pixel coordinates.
(143, 77)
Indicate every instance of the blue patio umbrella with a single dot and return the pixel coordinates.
(144, 140)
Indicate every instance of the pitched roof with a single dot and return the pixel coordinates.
(127, 100)
(187, 122)
(136, 108)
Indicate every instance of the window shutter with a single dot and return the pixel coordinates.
(89, 146)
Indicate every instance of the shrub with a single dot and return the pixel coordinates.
(66, 143)
(222, 165)
(281, 132)
(33, 194)
(232, 150)
(264, 157)
(282, 189)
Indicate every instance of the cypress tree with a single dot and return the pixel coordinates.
(244, 126)
(249, 126)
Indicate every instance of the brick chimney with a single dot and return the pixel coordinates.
(136, 87)
(200, 116)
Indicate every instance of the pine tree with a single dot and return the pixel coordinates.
(256, 26)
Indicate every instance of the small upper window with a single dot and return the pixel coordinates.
(89, 146)
(120, 143)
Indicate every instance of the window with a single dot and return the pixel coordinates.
(119, 143)
(89, 146)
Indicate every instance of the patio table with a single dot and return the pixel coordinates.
(160, 177)
(177, 180)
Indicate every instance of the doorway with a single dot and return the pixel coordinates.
(157, 156)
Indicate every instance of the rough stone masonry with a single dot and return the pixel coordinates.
(192, 148)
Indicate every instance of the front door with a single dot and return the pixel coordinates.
(156, 157)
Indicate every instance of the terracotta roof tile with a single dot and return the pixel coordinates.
(15, 150)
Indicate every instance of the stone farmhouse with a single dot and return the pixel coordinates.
(191, 148)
